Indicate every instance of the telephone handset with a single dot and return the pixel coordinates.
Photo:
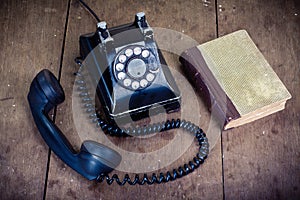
(94, 161)
(128, 70)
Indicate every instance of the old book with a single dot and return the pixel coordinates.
(234, 79)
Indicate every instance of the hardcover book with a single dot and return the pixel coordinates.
(234, 79)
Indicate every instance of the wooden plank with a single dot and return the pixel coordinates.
(31, 37)
(196, 19)
(261, 159)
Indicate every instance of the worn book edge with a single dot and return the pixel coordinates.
(212, 65)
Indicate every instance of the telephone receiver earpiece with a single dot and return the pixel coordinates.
(93, 158)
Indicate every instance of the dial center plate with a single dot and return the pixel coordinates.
(136, 68)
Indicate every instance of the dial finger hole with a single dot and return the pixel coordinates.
(121, 75)
(145, 53)
(122, 58)
(135, 85)
(137, 50)
(143, 83)
(128, 52)
(127, 82)
(150, 77)
(120, 67)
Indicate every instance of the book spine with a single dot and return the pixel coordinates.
(207, 86)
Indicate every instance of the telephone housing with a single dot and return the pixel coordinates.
(129, 71)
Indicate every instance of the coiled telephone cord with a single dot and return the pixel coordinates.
(114, 130)
(162, 177)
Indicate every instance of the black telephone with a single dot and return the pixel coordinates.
(123, 71)
(129, 71)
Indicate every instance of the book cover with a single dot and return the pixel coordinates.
(234, 79)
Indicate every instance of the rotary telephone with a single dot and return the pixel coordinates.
(130, 78)
(128, 70)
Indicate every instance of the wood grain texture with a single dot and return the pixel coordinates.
(261, 159)
(30, 38)
(199, 23)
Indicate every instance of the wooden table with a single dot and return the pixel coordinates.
(260, 160)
